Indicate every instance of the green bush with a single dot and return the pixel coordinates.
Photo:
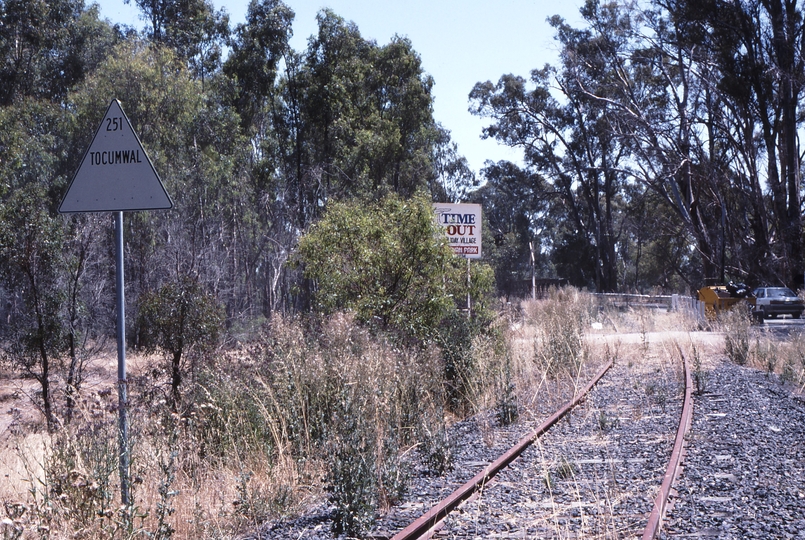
(387, 261)
(179, 318)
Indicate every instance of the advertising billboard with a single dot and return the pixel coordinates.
(462, 226)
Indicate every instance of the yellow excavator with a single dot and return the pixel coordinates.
(720, 298)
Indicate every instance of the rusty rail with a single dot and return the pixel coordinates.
(674, 465)
(430, 519)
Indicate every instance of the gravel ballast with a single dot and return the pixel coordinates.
(744, 468)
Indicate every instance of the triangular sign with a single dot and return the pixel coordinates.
(115, 174)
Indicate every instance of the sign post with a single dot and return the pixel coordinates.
(122, 382)
(462, 225)
(117, 176)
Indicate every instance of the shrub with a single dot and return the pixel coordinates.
(387, 261)
(176, 319)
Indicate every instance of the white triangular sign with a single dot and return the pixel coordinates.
(115, 174)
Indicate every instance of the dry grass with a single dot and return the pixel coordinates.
(308, 412)
(757, 347)
(261, 434)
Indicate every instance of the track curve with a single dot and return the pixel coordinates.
(593, 476)
(423, 524)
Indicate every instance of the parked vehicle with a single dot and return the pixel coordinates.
(774, 301)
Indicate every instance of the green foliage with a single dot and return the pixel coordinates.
(368, 109)
(48, 47)
(352, 476)
(191, 28)
(257, 48)
(387, 261)
(31, 257)
(178, 318)
(513, 213)
(455, 340)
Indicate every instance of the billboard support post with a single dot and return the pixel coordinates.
(469, 283)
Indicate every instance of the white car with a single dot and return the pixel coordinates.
(773, 301)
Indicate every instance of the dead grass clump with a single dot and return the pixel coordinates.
(561, 323)
(489, 374)
(736, 324)
(784, 358)
(792, 368)
(345, 398)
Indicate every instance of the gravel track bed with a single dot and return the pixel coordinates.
(592, 476)
(596, 473)
(744, 468)
(475, 444)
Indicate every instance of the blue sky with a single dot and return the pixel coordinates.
(461, 42)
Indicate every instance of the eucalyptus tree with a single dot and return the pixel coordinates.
(48, 47)
(566, 136)
(257, 48)
(516, 214)
(665, 117)
(31, 242)
(46, 50)
(758, 48)
(192, 28)
(345, 118)
(709, 100)
(195, 146)
(367, 111)
(452, 179)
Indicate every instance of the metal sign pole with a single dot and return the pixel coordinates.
(469, 284)
(125, 495)
(533, 272)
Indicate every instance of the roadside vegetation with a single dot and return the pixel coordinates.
(304, 411)
(747, 344)
(323, 410)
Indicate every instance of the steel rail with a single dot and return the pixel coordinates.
(674, 465)
(428, 520)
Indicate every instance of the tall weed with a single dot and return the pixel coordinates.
(736, 324)
(330, 392)
(561, 322)
(305, 409)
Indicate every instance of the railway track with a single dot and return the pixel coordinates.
(603, 473)
(744, 473)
